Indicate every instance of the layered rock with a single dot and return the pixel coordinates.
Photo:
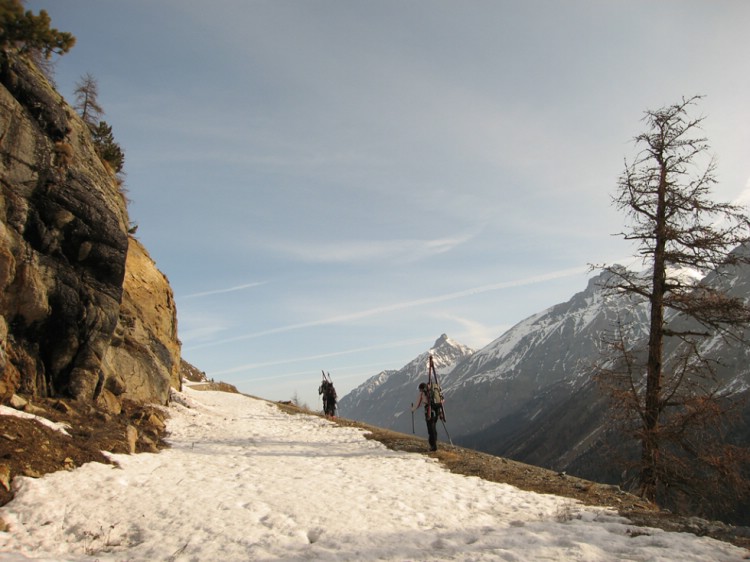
(64, 253)
(143, 359)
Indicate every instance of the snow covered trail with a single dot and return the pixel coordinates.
(245, 481)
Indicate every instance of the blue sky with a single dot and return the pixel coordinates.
(333, 184)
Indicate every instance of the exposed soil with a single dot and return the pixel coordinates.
(28, 448)
(32, 449)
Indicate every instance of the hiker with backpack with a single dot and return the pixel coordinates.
(329, 396)
(433, 406)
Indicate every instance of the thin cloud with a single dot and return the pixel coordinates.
(249, 366)
(475, 334)
(339, 251)
(403, 305)
(222, 291)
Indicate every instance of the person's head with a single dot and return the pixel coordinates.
(422, 386)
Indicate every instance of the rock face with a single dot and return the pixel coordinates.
(143, 359)
(64, 252)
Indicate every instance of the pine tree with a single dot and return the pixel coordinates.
(25, 32)
(107, 148)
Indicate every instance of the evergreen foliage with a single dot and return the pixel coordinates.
(25, 32)
(87, 104)
(106, 147)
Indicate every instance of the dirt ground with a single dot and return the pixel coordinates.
(28, 448)
(32, 449)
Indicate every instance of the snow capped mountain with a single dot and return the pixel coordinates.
(386, 398)
(554, 349)
(560, 423)
(529, 395)
(731, 359)
(551, 349)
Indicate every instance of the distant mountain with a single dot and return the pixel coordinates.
(563, 423)
(513, 379)
(540, 361)
(572, 434)
(385, 399)
(529, 395)
(551, 413)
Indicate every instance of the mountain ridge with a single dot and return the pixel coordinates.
(530, 395)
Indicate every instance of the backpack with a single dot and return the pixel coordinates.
(436, 395)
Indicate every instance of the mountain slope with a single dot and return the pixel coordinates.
(529, 394)
(565, 424)
(510, 381)
(539, 361)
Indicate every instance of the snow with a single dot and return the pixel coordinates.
(8, 411)
(245, 481)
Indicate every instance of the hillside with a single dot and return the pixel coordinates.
(35, 449)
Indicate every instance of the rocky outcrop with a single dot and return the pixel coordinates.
(143, 359)
(83, 311)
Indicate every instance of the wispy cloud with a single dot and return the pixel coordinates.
(221, 291)
(358, 315)
(249, 366)
(475, 334)
(343, 251)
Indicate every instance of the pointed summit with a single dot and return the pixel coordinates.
(442, 339)
(446, 353)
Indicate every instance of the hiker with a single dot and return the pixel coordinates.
(329, 397)
(431, 413)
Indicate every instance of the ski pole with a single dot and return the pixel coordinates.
(446, 432)
(412, 418)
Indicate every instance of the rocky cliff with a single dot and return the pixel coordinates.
(84, 312)
(143, 359)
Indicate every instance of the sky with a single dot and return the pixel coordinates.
(273, 486)
(333, 184)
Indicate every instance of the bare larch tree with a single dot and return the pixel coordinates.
(87, 103)
(665, 193)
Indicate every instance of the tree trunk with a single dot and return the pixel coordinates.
(652, 406)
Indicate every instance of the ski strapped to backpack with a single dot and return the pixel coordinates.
(435, 395)
(434, 392)
(329, 394)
